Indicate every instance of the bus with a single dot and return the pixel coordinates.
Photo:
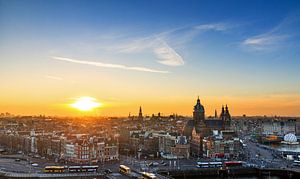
(124, 169)
(202, 164)
(296, 163)
(233, 164)
(73, 169)
(209, 164)
(87, 168)
(54, 169)
(146, 175)
(216, 164)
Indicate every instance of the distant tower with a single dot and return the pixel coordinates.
(140, 114)
(200, 127)
(225, 117)
(216, 114)
(222, 115)
(198, 116)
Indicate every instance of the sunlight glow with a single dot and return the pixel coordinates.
(86, 103)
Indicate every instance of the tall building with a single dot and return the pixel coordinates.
(199, 116)
(225, 117)
(199, 127)
(140, 117)
(198, 121)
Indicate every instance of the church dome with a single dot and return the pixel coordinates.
(290, 138)
(199, 107)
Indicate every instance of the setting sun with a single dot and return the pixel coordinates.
(86, 104)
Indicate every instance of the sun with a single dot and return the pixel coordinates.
(86, 103)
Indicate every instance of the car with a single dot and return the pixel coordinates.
(17, 160)
(107, 171)
(35, 165)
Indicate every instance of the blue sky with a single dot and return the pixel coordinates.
(239, 49)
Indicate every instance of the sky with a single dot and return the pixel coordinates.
(160, 55)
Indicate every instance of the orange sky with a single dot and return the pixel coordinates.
(265, 105)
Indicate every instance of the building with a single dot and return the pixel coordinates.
(166, 142)
(198, 128)
(140, 117)
(206, 126)
(182, 148)
(220, 148)
(89, 150)
(111, 153)
(277, 126)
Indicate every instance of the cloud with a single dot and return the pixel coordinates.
(54, 77)
(168, 56)
(156, 45)
(263, 42)
(213, 26)
(275, 37)
(159, 44)
(109, 65)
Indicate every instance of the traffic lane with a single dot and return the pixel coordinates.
(117, 176)
(266, 157)
(20, 166)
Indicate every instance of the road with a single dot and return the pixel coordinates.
(262, 157)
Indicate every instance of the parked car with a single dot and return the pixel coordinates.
(35, 165)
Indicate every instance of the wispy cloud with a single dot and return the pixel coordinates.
(54, 77)
(168, 56)
(109, 65)
(267, 41)
(274, 38)
(213, 26)
(159, 44)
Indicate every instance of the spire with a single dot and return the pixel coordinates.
(140, 113)
(216, 115)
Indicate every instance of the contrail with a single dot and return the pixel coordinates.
(109, 65)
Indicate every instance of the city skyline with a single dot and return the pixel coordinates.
(156, 54)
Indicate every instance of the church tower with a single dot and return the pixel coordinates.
(225, 117)
(199, 130)
(198, 114)
(199, 117)
(140, 117)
